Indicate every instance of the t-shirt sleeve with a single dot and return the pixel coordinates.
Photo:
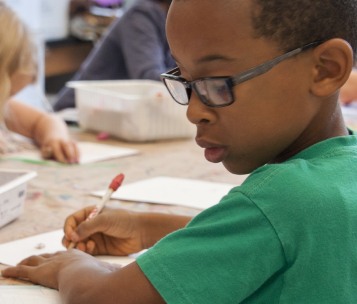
(224, 255)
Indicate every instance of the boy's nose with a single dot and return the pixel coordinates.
(197, 112)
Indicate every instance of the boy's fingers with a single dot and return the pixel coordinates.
(74, 220)
(86, 229)
(20, 271)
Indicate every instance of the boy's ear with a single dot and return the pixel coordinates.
(333, 61)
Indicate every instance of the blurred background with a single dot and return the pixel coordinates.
(65, 32)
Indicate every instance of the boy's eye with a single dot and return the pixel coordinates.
(214, 90)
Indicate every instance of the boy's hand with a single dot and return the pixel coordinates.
(46, 269)
(112, 232)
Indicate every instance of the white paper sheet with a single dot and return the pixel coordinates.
(89, 152)
(29, 294)
(13, 252)
(173, 191)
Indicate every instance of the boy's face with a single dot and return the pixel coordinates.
(273, 115)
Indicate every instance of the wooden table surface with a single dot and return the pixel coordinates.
(59, 190)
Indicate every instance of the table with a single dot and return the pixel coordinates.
(59, 190)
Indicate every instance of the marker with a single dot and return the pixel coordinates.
(114, 185)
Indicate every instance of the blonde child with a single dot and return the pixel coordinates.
(260, 80)
(18, 69)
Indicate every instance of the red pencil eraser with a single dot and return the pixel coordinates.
(116, 182)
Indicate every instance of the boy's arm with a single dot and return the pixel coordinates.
(80, 278)
(126, 285)
(162, 225)
(119, 231)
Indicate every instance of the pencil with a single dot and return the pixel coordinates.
(114, 185)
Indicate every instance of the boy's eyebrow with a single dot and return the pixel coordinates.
(214, 57)
(209, 58)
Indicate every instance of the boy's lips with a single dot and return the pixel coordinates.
(213, 153)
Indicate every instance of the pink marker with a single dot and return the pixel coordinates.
(114, 185)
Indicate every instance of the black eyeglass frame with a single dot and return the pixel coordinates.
(230, 81)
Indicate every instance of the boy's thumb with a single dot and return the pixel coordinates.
(85, 230)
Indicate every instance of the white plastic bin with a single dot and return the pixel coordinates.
(13, 184)
(132, 110)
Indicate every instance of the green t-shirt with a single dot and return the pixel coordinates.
(288, 234)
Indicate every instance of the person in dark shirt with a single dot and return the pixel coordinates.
(135, 47)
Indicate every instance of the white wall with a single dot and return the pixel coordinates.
(47, 20)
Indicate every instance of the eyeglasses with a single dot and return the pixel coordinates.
(218, 91)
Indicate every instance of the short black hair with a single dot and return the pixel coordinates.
(293, 23)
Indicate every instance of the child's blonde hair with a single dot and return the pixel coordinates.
(17, 51)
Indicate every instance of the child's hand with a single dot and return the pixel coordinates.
(62, 150)
(113, 232)
(46, 269)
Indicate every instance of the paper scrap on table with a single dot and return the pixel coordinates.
(14, 252)
(173, 191)
(89, 152)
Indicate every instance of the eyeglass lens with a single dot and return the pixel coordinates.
(212, 92)
(177, 91)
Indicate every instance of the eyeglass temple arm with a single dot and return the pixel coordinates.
(265, 67)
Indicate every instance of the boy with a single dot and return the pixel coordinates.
(288, 234)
